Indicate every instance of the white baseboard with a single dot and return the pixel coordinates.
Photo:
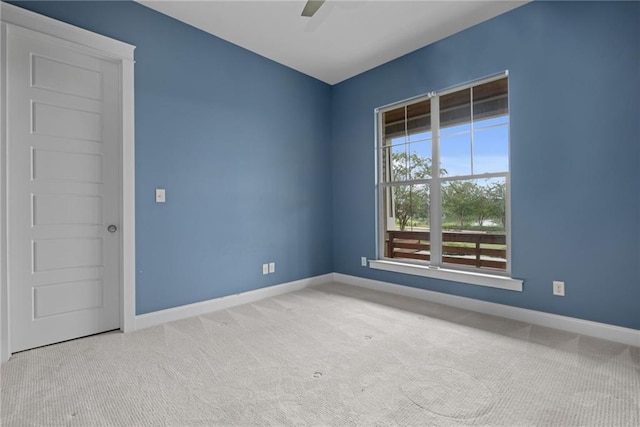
(570, 324)
(177, 313)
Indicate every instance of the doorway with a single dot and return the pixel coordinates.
(67, 201)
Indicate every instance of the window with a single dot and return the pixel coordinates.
(443, 179)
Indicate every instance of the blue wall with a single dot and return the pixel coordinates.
(242, 146)
(262, 163)
(574, 75)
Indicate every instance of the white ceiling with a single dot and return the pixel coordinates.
(343, 39)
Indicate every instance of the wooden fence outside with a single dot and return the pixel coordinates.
(416, 245)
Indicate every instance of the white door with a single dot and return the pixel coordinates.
(63, 152)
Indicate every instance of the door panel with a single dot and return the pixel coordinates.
(66, 166)
(67, 297)
(56, 254)
(65, 122)
(66, 78)
(66, 209)
(63, 192)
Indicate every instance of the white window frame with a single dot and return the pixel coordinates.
(435, 268)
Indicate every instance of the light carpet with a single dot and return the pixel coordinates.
(328, 355)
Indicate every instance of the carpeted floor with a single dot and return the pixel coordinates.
(330, 355)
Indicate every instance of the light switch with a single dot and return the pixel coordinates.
(160, 195)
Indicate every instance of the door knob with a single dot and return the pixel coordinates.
(112, 228)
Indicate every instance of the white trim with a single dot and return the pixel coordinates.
(613, 333)
(479, 176)
(4, 312)
(190, 310)
(122, 54)
(435, 189)
(128, 194)
(24, 18)
(468, 277)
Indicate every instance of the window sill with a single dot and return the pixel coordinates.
(480, 279)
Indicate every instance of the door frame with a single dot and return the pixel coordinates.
(115, 51)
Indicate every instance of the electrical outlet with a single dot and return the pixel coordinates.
(363, 261)
(558, 288)
(265, 268)
(272, 267)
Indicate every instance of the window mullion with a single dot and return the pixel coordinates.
(383, 172)
(472, 130)
(435, 192)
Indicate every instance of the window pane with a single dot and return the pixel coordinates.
(491, 150)
(406, 212)
(398, 164)
(385, 165)
(455, 112)
(455, 155)
(421, 136)
(490, 100)
(398, 140)
(419, 120)
(408, 120)
(490, 125)
(394, 163)
(473, 223)
(407, 136)
(409, 207)
(394, 123)
(399, 167)
(494, 121)
(419, 161)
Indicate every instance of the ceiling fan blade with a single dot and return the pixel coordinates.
(311, 7)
